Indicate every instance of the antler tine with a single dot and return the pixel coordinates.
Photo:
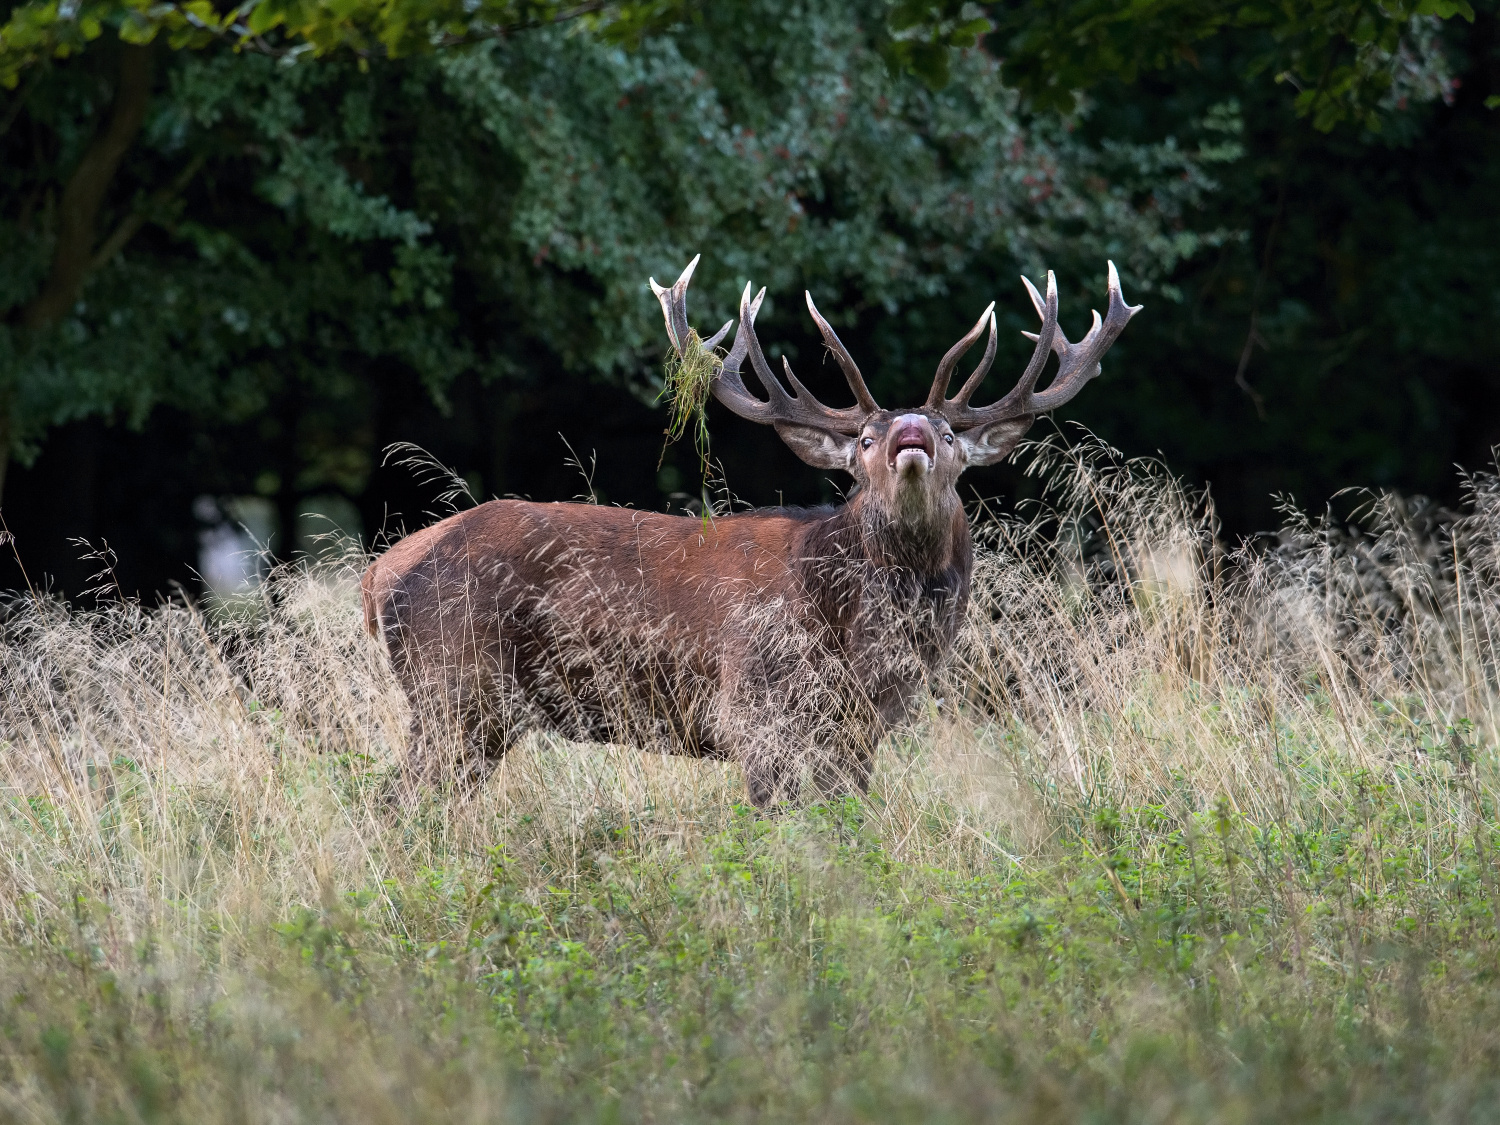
(1078, 363)
(851, 369)
(956, 352)
(729, 385)
(758, 363)
(674, 311)
(674, 305)
(960, 415)
(971, 384)
(800, 407)
(1045, 340)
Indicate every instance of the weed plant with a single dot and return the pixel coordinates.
(1186, 834)
(687, 382)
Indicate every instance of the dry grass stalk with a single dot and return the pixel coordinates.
(199, 781)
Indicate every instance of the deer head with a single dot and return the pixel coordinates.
(906, 462)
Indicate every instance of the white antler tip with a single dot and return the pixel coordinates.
(717, 338)
(1051, 285)
(656, 289)
(687, 274)
(1036, 298)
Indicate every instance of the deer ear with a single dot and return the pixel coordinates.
(822, 449)
(988, 444)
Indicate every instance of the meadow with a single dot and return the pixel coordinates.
(1188, 832)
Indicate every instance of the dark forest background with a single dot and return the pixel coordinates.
(296, 262)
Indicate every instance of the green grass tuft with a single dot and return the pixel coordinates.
(686, 383)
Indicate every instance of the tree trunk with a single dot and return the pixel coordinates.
(78, 214)
(78, 211)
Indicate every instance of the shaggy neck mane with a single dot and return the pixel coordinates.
(861, 531)
(918, 540)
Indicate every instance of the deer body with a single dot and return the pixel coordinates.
(779, 638)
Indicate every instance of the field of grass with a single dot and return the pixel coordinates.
(1184, 835)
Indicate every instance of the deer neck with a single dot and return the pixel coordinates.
(925, 538)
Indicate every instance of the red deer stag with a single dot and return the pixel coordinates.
(780, 638)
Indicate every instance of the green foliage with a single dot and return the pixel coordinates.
(1344, 58)
(494, 210)
(483, 216)
(37, 30)
(1331, 963)
(1341, 342)
(923, 36)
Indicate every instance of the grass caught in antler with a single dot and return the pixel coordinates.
(686, 383)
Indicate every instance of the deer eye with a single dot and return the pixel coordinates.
(866, 443)
(948, 438)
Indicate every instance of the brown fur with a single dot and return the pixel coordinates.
(779, 639)
(776, 638)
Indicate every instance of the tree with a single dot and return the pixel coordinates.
(1346, 339)
(1348, 60)
(107, 76)
(34, 34)
(282, 230)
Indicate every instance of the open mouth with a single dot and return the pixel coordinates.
(906, 442)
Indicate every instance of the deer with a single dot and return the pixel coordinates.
(789, 640)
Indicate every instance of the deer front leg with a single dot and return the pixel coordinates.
(770, 778)
(845, 772)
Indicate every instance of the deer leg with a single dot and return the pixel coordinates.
(841, 774)
(486, 741)
(770, 777)
(453, 747)
(422, 766)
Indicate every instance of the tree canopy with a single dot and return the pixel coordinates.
(497, 209)
(1346, 60)
(276, 236)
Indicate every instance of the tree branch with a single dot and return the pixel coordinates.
(85, 191)
(138, 218)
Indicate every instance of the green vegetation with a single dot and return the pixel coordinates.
(289, 247)
(1183, 837)
(686, 381)
(312, 244)
(1346, 60)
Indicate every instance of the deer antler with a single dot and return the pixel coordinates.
(1077, 363)
(800, 408)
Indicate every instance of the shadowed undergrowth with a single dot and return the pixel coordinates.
(1183, 835)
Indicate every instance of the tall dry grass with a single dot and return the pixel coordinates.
(197, 809)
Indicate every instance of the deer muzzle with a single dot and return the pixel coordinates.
(912, 445)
